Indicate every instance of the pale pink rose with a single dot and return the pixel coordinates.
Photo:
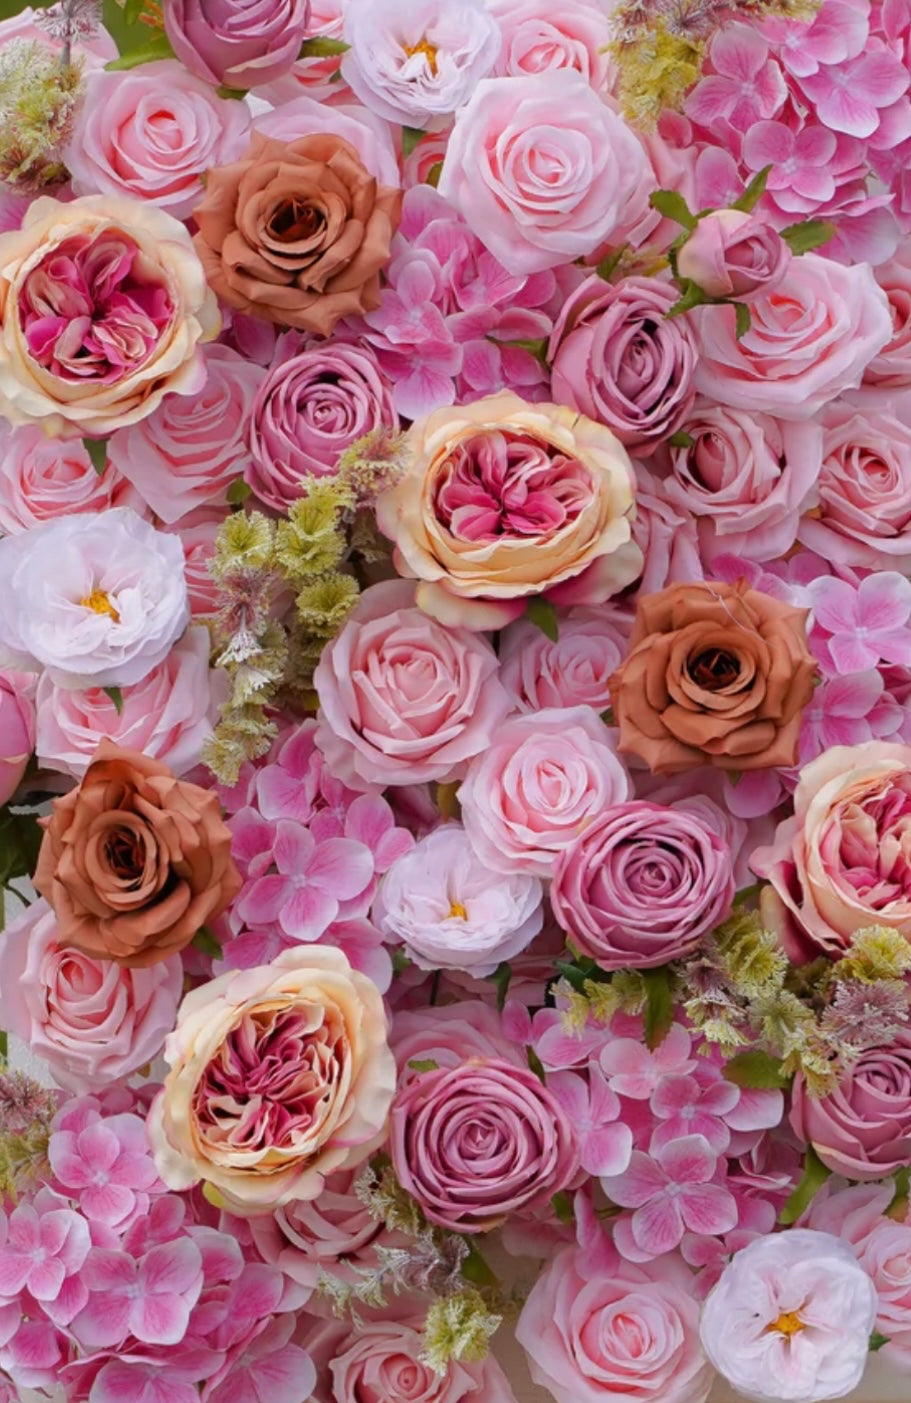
(864, 516)
(886, 1258)
(745, 477)
(574, 669)
(152, 133)
(370, 135)
(43, 477)
(862, 1129)
(630, 1334)
(839, 866)
(197, 533)
(403, 699)
(543, 778)
(17, 729)
(539, 37)
(733, 254)
(231, 43)
(666, 537)
(449, 1035)
(318, 76)
(92, 1021)
(491, 172)
(811, 338)
(189, 450)
(891, 369)
(168, 714)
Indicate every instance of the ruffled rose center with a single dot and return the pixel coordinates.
(874, 845)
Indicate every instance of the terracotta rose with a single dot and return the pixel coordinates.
(297, 232)
(134, 861)
(716, 674)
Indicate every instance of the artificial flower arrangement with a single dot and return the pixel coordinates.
(455, 707)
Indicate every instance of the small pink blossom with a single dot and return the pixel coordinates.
(633, 1070)
(671, 1192)
(151, 1298)
(105, 1166)
(312, 881)
(744, 85)
(605, 1141)
(865, 625)
(684, 1105)
(848, 97)
(41, 1251)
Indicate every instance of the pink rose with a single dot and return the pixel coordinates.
(92, 1021)
(541, 780)
(891, 369)
(316, 76)
(616, 357)
(886, 1258)
(17, 729)
(403, 699)
(231, 43)
(42, 477)
(539, 37)
(309, 409)
(746, 478)
(734, 254)
(491, 173)
(864, 516)
(188, 452)
(450, 1035)
(862, 1129)
(197, 533)
(371, 136)
(666, 537)
(641, 884)
(168, 714)
(574, 669)
(840, 864)
(152, 133)
(810, 339)
(476, 1143)
(630, 1334)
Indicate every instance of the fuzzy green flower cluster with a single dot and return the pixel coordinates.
(38, 97)
(26, 1112)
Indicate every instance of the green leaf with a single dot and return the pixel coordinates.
(238, 492)
(544, 616)
(500, 980)
(877, 1341)
(672, 205)
(410, 138)
(562, 1204)
(681, 440)
(535, 1064)
(157, 46)
(536, 347)
(814, 1176)
(753, 192)
(205, 941)
(237, 94)
(809, 234)
(321, 47)
(756, 1070)
(608, 717)
(475, 1269)
(20, 840)
(4, 1045)
(116, 696)
(608, 266)
(424, 1064)
(898, 1208)
(659, 1005)
(742, 319)
(400, 962)
(747, 893)
(693, 296)
(132, 10)
(433, 175)
(97, 449)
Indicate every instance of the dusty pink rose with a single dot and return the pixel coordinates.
(402, 698)
(746, 478)
(864, 516)
(168, 714)
(641, 884)
(478, 1142)
(734, 254)
(235, 43)
(862, 1129)
(630, 1334)
(539, 37)
(197, 533)
(573, 669)
(41, 477)
(841, 863)
(616, 357)
(543, 778)
(17, 729)
(810, 338)
(309, 409)
(152, 133)
(491, 174)
(93, 1021)
(188, 452)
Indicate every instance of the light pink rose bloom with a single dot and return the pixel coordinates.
(370, 135)
(595, 165)
(864, 489)
(168, 714)
(745, 477)
(810, 339)
(318, 77)
(543, 778)
(188, 452)
(17, 729)
(840, 864)
(862, 1129)
(152, 133)
(234, 43)
(403, 699)
(734, 254)
(43, 477)
(891, 369)
(886, 1258)
(197, 533)
(666, 537)
(790, 1318)
(92, 1021)
(539, 37)
(574, 669)
(449, 1035)
(627, 1335)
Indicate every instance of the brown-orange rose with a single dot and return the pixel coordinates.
(716, 674)
(134, 861)
(297, 232)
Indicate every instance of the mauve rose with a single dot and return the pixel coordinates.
(92, 1021)
(641, 884)
(573, 669)
(476, 1143)
(235, 43)
(891, 369)
(17, 729)
(43, 477)
(309, 409)
(188, 452)
(862, 1129)
(616, 357)
(734, 254)
(492, 174)
(152, 133)
(402, 699)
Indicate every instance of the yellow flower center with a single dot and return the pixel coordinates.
(788, 1324)
(457, 909)
(424, 46)
(99, 603)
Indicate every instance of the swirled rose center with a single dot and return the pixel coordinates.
(498, 485)
(874, 845)
(714, 669)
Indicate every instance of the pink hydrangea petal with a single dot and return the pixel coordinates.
(708, 1208)
(607, 1151)
(657, 1227)
(640, 1181)
(689, 1160)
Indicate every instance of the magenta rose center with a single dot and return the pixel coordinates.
(873, 840)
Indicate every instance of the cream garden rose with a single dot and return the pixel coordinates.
(279, 1076)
